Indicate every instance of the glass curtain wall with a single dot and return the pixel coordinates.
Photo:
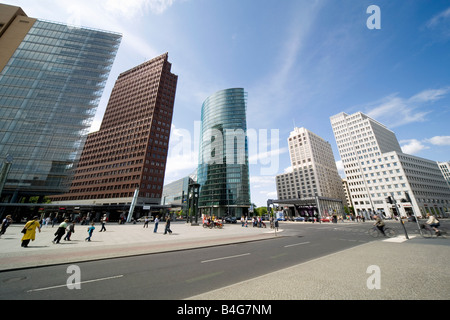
(223, 172)
(49, 93)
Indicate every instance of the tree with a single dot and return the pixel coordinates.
(261, 211)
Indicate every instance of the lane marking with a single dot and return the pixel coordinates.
(278, 256)
(296, 244)
(65, 285)
(223, 258)
(204, 277)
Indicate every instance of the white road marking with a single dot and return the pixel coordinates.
(296, 244)
(65, 285)
(223, 258)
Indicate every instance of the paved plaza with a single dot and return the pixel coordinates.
(415, 269)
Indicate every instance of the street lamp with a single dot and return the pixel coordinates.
(392, 201)
(4, 171)
(408, 199)
(193, 194)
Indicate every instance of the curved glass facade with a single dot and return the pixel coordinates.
(49, 92)
(223, 171)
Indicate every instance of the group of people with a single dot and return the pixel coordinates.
(155, 229)
(432, 222)
(65, 229)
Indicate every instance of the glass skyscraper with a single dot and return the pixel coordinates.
(223, 171)
(51, 80)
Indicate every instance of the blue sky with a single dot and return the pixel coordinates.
(300, 62)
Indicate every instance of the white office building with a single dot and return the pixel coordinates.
(314, 174)
(376, 168)
(445, 169)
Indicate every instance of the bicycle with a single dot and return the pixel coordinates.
(375, 232)
(208, 225)
(428, 232)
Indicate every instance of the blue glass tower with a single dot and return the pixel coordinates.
(50, 87)
(223, 171)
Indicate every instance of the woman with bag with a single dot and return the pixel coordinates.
(30, 231)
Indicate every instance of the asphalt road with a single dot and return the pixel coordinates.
(182, 274)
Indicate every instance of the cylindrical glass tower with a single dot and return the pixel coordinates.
(223, 172)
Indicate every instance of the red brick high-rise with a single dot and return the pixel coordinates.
(130, 149)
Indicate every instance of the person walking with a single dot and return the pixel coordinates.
(90, 231)
(156, 224)
(30, 231)
(146, 221)
(167, 229)
(103, 220)
(60, 231)
(5, 224)
(70, 230)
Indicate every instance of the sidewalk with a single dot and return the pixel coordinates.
(117, 241)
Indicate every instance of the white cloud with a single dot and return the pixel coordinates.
(340, 168)
(133, 8)
(439, 18)
(412, 146)
(396, 111)
(289, 169)
(275, 90)
(265, 155)
(262, 188)
(429, 95)
(262, 181)
(440, 140)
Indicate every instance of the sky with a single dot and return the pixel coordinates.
(300, 61)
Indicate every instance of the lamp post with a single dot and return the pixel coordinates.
(391, 200)
(408, 199)
(4, 171)
(193, 194)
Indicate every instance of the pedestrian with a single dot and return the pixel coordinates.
(5, 224)
(60, 231)
(90, 231)
(156, 224)
(167, 229)
(103, 220)
(146, 220)
(70, 230)
(30, 231)
(47, 221)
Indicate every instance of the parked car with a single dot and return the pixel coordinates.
(230, 219)
(325, 219)
(299, 219)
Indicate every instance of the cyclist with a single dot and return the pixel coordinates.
(433, 223)
(379, 224)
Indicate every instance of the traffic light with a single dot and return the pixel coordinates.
(390, 200)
